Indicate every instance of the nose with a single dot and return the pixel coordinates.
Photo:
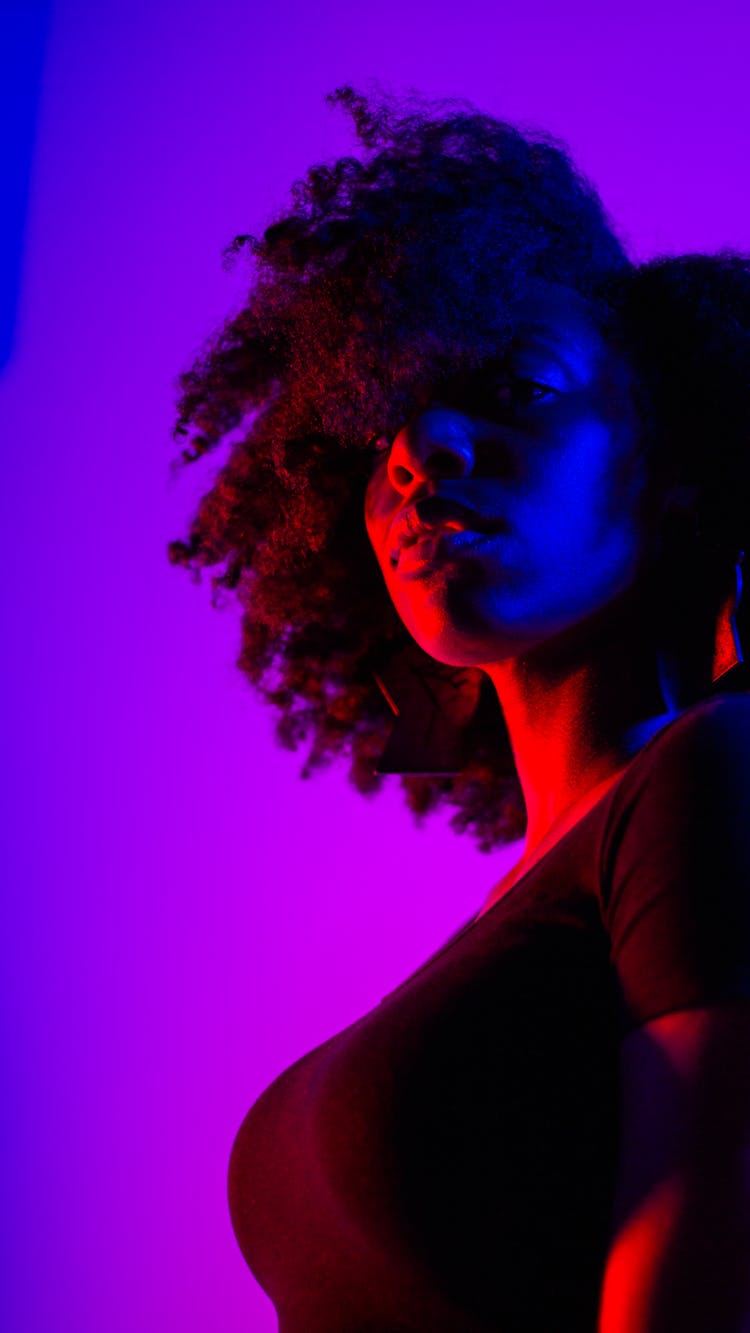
(434, 443)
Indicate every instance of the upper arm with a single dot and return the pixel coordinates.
(675, 868)
(679, 1250)
(676, 907)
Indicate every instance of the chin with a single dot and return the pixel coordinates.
(455, 632)
(455, 648)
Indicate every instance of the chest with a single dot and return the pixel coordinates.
(465, 1124)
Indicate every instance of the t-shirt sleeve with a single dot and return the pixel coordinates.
(675, 867)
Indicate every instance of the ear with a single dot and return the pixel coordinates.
(698, 587)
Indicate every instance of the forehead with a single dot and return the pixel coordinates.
(544, 311)
(397, 357)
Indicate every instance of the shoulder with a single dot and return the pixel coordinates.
(697, 758)
(721, 721)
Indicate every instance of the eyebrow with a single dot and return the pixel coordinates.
(565, 348)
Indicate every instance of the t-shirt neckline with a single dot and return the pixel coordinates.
(476, 919)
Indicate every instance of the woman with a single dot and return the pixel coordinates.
(494, 479)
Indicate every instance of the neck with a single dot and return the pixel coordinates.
(579, 706)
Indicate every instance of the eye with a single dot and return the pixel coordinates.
(514, 389)
(495, 391)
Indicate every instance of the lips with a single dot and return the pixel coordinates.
(436, 550)
(435, 514)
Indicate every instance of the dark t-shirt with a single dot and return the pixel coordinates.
(446, 1163)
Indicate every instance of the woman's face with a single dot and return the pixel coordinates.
(544, 451)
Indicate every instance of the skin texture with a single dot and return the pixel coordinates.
(558, 606)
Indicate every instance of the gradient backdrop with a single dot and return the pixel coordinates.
(182, 916)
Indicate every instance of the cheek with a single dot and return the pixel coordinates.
(581, 525)
(381, 501)
(371, 512)
(594, 481)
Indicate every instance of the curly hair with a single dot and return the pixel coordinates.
(389, 271)
(685, 322)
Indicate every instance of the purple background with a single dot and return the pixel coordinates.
(183, 916)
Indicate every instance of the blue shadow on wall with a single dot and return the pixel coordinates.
(24, 26)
